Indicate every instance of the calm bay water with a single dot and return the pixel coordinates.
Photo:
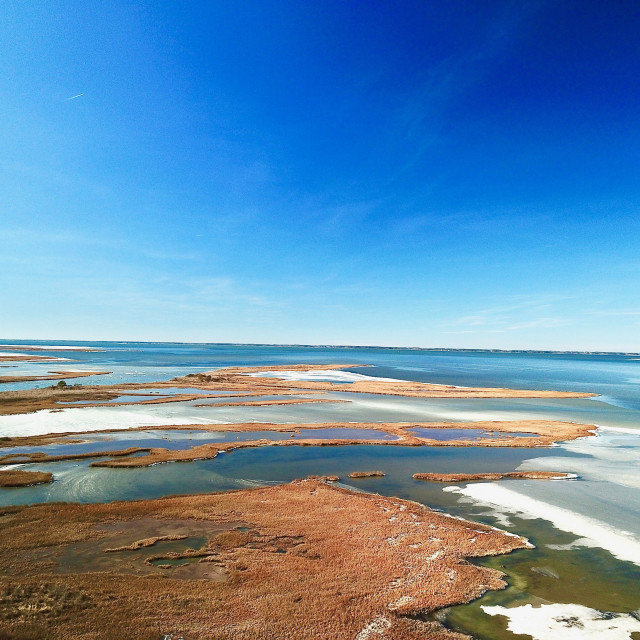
(580, 556)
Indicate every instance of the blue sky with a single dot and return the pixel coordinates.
(454, 174)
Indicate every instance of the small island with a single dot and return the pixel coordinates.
(20, 478)
(470, 477)
(366, 474)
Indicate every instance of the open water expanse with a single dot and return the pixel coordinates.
(586, 531)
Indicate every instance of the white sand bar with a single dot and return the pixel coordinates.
(39, 347)
(566, 621)
(92, 419)
(323, 375)
(30, 355)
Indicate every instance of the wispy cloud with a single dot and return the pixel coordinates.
(63, 244)
(493, 222)
(521, 312)
(195, 295)
(540, 323)
(615, 313)
(421, 115)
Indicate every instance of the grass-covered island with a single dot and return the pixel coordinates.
(20, 478)
(304, 560)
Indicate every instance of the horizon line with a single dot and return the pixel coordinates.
(337, 346)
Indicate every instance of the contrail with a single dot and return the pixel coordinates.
(74, 97)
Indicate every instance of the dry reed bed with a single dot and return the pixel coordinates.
(188, 397)
(542, 430)
(52, 375)
(265, 403)
(20, 478)
(239, 376)
(283, 367)
(31, 400)
(353, 562)
(37, 457)
(469, 477)
(546, 434)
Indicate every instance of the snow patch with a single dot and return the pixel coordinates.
(324, 375)
(592, 533)
(566, 621)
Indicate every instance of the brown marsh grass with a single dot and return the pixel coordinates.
(468, 477)
(544, 433)
(20, 478)
(366, 474)
(314, 561)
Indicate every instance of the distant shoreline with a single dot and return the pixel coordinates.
(14, 342)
